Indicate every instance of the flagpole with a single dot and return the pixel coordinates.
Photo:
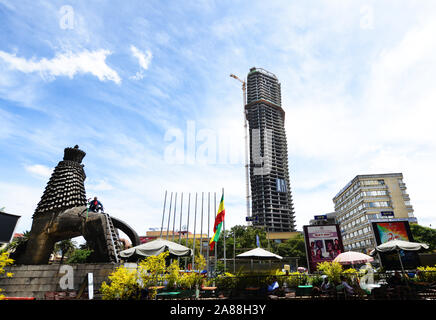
(187, 228)
(181, 212)
(216, 244)
(195, 224)
(174, 218)
(234, 250)
(163, 214)
(208, 227)
(180, 227)
(201, 225)
(169, 215)
(224, 238)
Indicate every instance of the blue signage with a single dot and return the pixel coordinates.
(321, 217)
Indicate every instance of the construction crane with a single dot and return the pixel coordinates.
(247, 182)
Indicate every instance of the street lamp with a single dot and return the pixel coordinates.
(247, 182)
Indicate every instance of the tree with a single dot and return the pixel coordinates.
(65, 247)
(294, 247)
(424, 234)
(245, 239)
(16, 242)
(79, 256)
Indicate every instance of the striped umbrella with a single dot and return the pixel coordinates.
(352, 257)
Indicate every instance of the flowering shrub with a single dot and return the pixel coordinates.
(226, 281)
(123, 285)
(427, 274)
(5, 261)
(332, 269)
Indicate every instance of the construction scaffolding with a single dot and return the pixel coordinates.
(270, 189)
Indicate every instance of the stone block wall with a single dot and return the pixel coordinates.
(36, 280)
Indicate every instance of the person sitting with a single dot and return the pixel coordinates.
(395, 280)
(326, 285)
(325, 288)
(274, 287)
(95, 205)
(348, 289)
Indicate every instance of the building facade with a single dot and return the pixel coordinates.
(323, 219)
(367, 199)
(271, 199)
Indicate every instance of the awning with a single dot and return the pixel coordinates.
(258, 253)
(156, 247)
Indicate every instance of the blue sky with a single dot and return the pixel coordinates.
(139, 84)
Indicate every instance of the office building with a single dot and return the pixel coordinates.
(370, 198)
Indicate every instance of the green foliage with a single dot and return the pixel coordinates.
(65, 247)
(13, 245)
(332, 269)
(424, 235)
(79, 256)
(294, 247)
(245, 238)
(226, 281)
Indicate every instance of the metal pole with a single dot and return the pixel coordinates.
(224, 239)
(169, 215)
(181, 211)
(174, 218)
(401, 262)
(180, 226)
(216, 244)
(234, 250)
(163, 214)
(208, 227)
(195, 223)
(187, 228)
(201, 225)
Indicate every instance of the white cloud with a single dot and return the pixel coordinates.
(144, 60)
(100, 185)
(66, 64)
(39, 170)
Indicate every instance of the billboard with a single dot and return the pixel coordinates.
(323, 243)
(395, 230)
(8, 222)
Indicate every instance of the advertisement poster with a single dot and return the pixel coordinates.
(396, 230)
(8, 222)
(392, 231)
(323, 243)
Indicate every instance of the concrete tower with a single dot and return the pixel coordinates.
(269, 175)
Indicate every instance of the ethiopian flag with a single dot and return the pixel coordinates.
(219, 220)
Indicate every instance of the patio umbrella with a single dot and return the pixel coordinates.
(397, 245)
(259, 254)
(352, 257)
(155, 247)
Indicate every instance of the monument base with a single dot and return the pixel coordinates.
(41, 281)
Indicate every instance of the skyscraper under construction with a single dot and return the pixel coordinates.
(271, 199)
